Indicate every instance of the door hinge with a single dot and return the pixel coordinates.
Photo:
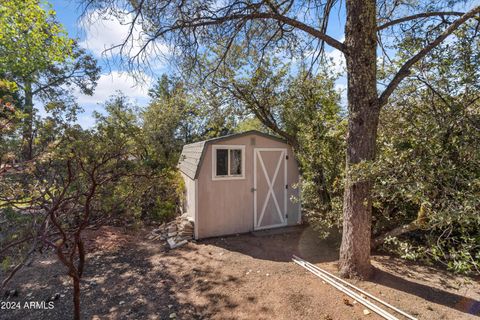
(286, 157)
(286, 186)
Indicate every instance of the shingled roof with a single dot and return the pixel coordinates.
(193, 153)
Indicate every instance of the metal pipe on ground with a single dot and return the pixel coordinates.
(345, 290)
(358, 289)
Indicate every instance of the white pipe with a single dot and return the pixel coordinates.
(355, 296)
(385, 314)
(347, 291)
(360, 290)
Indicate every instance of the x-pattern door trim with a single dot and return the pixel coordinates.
(271, 185)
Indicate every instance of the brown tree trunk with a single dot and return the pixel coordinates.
(363, 108)
(81, 257)
(76, 297)
(27, 147)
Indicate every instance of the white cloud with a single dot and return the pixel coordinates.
(109, 84)
(86, 120)
(338, 60)
(104, 30)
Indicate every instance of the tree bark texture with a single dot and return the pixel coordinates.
(76, 298)
(27, 147)
(363, 107)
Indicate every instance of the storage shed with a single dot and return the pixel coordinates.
(240, 183)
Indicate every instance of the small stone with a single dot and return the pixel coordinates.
(179, 244)
(172, 315)
(62, 296)
(170, 306)
(121, 302)
(366, 312)
(347, 302)
(267, 274)
(171, 243)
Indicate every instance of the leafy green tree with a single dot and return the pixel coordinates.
(169, 121)
(250, 123)
(10, 117)
(37, 54)
(427, 173)
(152, 189)
(311, 112)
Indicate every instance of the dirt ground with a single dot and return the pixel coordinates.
(239, 277)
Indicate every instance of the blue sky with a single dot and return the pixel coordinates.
(96, 37)
(102, 34)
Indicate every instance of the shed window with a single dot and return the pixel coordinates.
(222, 162)
(228, 162)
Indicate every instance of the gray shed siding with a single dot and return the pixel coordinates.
(190, 158)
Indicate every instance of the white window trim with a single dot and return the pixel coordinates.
(214, 162)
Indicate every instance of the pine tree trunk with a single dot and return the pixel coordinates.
(27, 147)
(363, 107)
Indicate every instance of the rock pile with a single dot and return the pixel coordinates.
(177, 232)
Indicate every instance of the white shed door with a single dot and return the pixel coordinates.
(270, 188)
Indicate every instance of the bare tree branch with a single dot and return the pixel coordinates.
(419, 16)
(404, 71)
(21, 264)
(211, 21)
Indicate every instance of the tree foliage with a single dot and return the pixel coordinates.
(37, 54)
(427, 174)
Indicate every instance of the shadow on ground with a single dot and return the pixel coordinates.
(432, 294)
(133, 282)
(225, 278)
(304, 242)
(280, 244)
